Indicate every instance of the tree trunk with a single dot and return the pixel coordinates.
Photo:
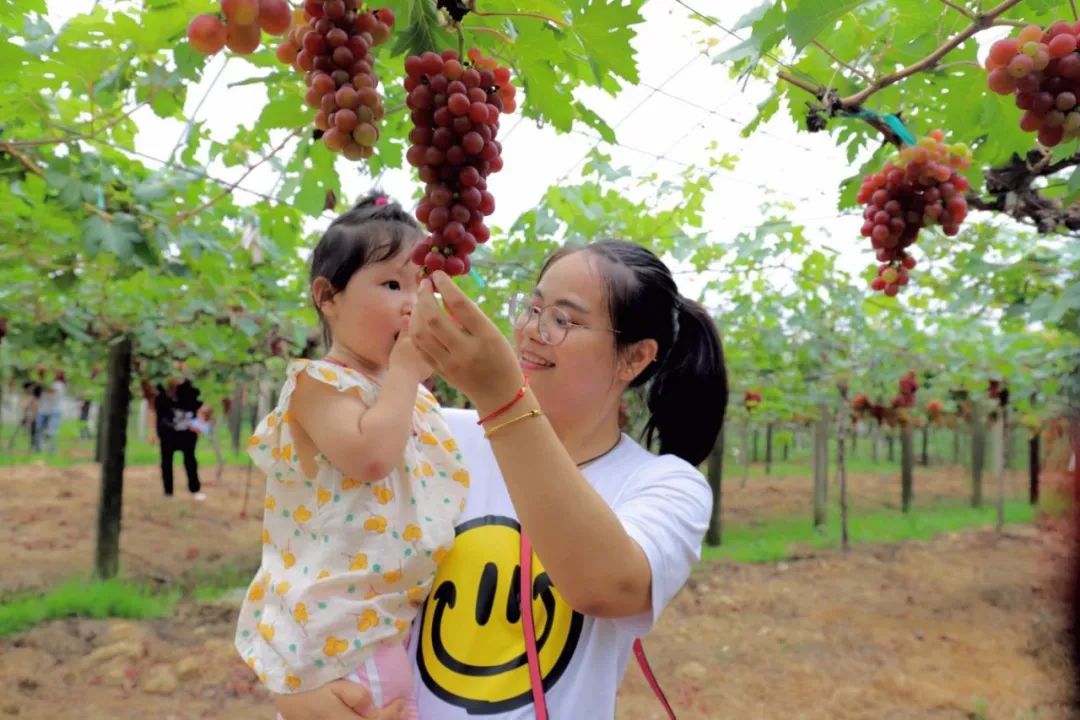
(714, 535)
(907, 467)
(1006, 443)
(768, 448)
(99, 438)
(956, 445)
(925, 459)
(978, 453)
(2, 392)
(253, 409)
(265, 400)
(756, 455)
(236, 413)
(116, 406)
(821, 465)
(890, 438)
(787, 448)
(1033, 467)
(144, 414)
(841, 469)
(745, 453)
(854, 439)
(997, 454)
(875, 442)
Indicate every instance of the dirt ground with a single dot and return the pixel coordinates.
(48, 517)
(962, 627)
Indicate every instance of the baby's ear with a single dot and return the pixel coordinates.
(321, 292)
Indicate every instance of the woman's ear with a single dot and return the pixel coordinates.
(636, 358)
(322, 295)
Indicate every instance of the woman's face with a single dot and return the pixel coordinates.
(577, 375)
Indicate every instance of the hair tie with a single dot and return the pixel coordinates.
(381, 200)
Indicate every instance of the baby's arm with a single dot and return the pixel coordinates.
(366, 443)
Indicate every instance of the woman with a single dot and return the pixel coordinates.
(174, 406)
(615, 529)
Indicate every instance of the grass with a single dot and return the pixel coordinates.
(71, 450)
(93, 599)
(779, 538)
(116, 598)
(210, 587)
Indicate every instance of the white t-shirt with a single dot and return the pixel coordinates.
(468, 644)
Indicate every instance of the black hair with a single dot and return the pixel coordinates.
(374, 230)
(687, 383)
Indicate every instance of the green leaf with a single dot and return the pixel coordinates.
(422, 31)
(1073, 188)
(807, 18)
(117, 237)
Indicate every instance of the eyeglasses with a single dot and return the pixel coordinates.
(552, 321)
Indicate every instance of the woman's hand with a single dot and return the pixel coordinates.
(339, 700)
(463, 345)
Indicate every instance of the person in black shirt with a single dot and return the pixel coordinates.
(174, 409)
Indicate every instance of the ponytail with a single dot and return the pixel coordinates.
(689, 391)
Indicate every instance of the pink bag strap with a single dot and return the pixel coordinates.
(531, 655)
(646, 670)
(527, 626)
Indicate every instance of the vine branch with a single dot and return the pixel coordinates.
(979, 23)
(850, 67)
(28, 162)
(958, 8)
(837, 105)
(80, 136)
(181, 217)
(1012, 192)
(491, 31)
(538, 16)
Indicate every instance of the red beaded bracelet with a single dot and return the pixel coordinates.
(520, 394)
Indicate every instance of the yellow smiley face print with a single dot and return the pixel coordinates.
(471, 649)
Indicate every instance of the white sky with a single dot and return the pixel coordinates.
(778, 163)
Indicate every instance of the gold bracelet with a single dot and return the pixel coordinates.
(535, 412)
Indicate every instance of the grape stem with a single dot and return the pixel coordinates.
(537, 16)
(1072, 4)
(852, 102)
(181, 217)
(491, 31)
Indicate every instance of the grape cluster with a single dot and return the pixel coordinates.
(455, 108)
(1043, 70)
(919, 187)
(331, 45)
(751, 399)
(861, 403)
(905, 398)
(241, 31)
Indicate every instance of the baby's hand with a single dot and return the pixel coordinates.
(408, 358)
(339, 700)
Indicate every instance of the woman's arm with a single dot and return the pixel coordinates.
(597, 567)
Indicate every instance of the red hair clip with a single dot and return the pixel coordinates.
(379, 201)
